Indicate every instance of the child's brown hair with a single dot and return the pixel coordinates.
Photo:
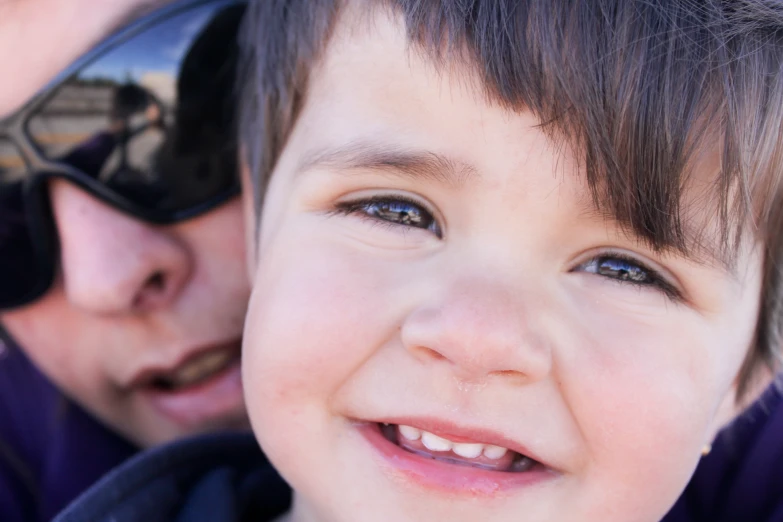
(638, 88)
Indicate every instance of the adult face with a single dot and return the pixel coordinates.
(142, 324)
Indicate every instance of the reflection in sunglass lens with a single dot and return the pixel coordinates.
(152, 118)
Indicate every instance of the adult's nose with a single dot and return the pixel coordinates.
(111, 262)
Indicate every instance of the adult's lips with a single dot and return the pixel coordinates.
(203, 388)
(195, 371)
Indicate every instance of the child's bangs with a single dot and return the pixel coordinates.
(642, 92)
(645, 94)
(673, 108)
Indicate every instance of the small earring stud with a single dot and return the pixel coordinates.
(706, 449)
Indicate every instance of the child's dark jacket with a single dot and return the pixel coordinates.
(221, 477)
(741, 480)
(226, 478)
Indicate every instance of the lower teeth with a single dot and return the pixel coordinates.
(450, 460)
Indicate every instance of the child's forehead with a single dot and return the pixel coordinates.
(375, 77)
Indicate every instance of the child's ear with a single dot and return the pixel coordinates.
(733, 405)
(728, 410)
(249, 214)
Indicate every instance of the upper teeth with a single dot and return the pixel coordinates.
(468, 450)
(200, 367)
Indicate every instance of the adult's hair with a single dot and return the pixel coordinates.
(637, 89)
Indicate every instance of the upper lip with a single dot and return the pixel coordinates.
(148, 373)
(461, 433)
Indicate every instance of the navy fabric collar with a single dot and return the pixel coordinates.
(222, 477)
(742, 478)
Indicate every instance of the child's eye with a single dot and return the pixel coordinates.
(627, 270)
(394, 210)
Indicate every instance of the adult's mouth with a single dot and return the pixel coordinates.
(445, 457)
(196, 370)
(201, 388)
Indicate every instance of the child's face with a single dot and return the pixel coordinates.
(430, 260)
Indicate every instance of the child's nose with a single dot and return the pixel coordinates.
(482, 329)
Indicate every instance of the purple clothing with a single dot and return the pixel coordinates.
(742, 478)
(90, 155)
(50, 449)
(225, 477)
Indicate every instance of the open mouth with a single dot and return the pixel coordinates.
(198, 370)
(473, 454)
(203, 390)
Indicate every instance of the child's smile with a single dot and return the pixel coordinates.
(482, 455)
(457, 464)
(443, 327)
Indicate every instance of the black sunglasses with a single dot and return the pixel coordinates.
(144, 122)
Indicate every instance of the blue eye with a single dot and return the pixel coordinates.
(623, 270)
(627, 270)
(395, 211)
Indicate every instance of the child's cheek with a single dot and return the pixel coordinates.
(308, 327)
(643, 394)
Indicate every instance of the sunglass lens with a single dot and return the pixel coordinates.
(18, 257)
(152, 119)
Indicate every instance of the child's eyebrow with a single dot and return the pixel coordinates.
(414, 163)
(701, 247)
(433, 166)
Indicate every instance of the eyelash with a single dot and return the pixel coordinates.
(370, 208)
(655, 280)
(362, 208)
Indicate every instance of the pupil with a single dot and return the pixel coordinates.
(622, 270)
(399, 213)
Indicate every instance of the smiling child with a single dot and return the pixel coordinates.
(511, 258)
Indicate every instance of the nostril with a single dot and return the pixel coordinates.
(156, 281)
(425, 353)
(151, 292)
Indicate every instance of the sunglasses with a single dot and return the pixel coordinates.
(143, 122)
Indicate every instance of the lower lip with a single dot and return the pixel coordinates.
(212, 402)
(450, 478)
